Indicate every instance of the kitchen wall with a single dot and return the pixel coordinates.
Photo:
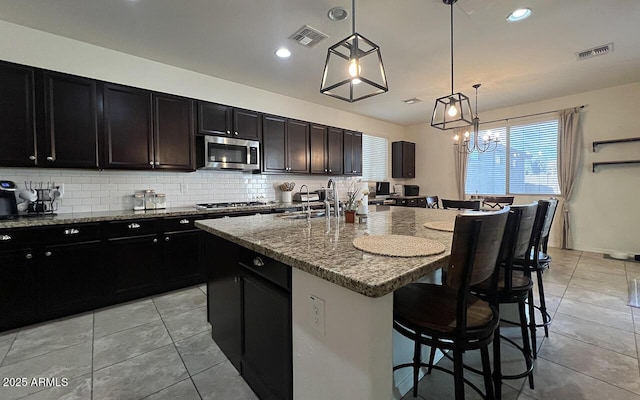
(86, 191)
(604, 205)
(102, 190)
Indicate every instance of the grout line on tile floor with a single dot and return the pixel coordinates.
(8, 350)
(93, 343)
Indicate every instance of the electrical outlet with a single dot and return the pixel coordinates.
(61, 190)
(317, 314)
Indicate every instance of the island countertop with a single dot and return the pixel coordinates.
(323, 246)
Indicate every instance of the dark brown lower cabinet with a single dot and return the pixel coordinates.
(182, 259)
(72, 276)
(17, 300)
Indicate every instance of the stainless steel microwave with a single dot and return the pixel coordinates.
(226, 153)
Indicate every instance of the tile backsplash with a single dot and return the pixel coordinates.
(110, 190)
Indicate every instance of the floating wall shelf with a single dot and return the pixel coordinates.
(601, 142)
(598, 143)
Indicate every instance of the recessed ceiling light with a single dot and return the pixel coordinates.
(337, 14)
(519, 14)
(283, 52)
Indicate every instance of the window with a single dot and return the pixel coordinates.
(375, 154)
(523, 163)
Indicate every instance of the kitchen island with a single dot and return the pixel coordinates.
(348, 349)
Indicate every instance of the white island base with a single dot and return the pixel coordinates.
(353, 358)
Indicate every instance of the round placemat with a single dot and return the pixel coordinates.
(398, 245)
(446, 226)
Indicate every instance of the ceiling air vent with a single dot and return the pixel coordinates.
(596, 51)
(413, 100)
(308, 36)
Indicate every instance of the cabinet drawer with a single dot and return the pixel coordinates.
(133, 227)
(184, 223)
(70, 233)
(12, 238)
(401, 202)
(272, 270)
(412, 203)
(422, 202)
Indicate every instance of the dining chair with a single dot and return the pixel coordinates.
(536, 261)
(496, 202)
(513, 288)
(448, 316)
(461, 204)
(433, 202)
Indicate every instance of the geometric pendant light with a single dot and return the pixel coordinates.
(453, 110)
(353, 70)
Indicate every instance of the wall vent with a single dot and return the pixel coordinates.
(308, 36)
(596, 51)
(413, 100)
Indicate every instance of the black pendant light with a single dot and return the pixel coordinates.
(354, 70)
(453, 110)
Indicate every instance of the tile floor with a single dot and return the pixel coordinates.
(161, 347)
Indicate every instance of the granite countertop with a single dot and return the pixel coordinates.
(78, 218)
(323, 246)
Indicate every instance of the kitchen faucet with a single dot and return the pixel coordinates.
(336, 204)
(308, 206)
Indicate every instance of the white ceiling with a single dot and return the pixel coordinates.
(235, 40)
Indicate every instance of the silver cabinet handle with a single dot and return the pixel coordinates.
(236, 279)
(133, 225)
(5, 238)
(29, 256)
(47, 253)
(325, 170)
(228, 132)
(32, 158)
(72, 231)
(166, 239)
(155, 240)
(257, 262)
(157, 162)
(49, 158)
(150, 162)
(330, 171)
(184, 221)
(235, 133)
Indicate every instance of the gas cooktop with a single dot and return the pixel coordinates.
(208, 206)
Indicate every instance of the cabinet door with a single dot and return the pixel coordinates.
(224, 295)
(214, 119)
(247, 124)
(134, 266)
(266, 356)
(73, 278)
(274, 144)
(182, 259)
(128, 130)
(71, 126)
(18, 289)
(298, 146)
(348, 152)
(173, 132)
(356, 149)
(403, 159)
(17, 127)
(335, 150)
(318, 149)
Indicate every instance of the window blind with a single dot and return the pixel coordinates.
(486, 172)
(375, 154)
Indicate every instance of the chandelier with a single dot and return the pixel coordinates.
(470, 145)
(354, 70)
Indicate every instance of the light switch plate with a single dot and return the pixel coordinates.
(317, 314)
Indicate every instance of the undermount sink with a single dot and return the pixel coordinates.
(302, 214)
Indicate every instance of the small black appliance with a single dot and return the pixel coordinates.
(411, 190)
(8, 204)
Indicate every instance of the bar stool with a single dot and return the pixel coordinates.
(448, 316)
(495, 202)
(513, 288)
(433, 202)
(536, 261)
(461, 204)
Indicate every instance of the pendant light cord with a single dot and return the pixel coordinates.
(353, 16)
(452, 1)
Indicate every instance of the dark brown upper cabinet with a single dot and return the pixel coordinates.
(326, 145)
(17, 116)
(128, 128)
(147, 131)
(403, 160)
(285, 145)
(218, 119)
(70, 136)
(174, 139)
(352, 153)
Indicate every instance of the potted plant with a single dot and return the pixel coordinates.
(350, 205)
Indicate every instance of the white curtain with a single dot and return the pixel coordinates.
(569, 153)
(460, 160)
